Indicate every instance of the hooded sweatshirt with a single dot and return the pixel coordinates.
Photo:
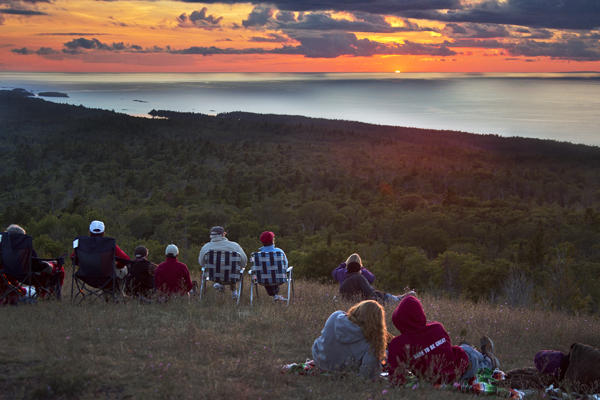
(423, 348)
(342, 345)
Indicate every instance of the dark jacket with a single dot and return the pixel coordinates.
(140, 279)
(356, 286)
(340, 273)
(580, 372)
(423, 348)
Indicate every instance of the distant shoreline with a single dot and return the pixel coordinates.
(555, 106)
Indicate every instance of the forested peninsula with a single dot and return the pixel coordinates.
(456, 214)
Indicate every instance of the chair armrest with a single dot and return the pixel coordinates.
(289, 268)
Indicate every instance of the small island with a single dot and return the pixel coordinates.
(52, 94)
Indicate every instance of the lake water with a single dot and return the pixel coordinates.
(563, 107)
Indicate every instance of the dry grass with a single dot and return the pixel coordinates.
(218, 350)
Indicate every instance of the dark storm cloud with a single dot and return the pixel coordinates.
(199, 19)
(20, 11)
(332, 45)
(260, 16)
(43, 51)
(487, 31)
(576, 50)
(362, 22)
(551, 14)
(212, 50)
(77, 46)
(71, 34)
(270, 38)
(385, 7)
(285, 16)
(476, 31)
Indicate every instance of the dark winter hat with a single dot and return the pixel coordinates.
(548, 362)
(140, 252)
(267, 237)
(217, 231)
(353, 267)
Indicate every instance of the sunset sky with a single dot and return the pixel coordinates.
(300, 36)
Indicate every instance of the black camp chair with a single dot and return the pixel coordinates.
(223, 267)
(270, 268)
(17, 275)
(95, 270)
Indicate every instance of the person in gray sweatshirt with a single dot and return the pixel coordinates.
(353, 341)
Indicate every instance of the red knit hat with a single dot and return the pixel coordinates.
(267, 237)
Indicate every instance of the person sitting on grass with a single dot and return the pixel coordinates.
(340, 273)
(425, 349)
(172, 277)
(353, 341)
(355, 285)
(268, 241)
(140, 279)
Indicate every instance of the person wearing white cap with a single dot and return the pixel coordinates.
(172, 277)
(219, 242)
(97, 229)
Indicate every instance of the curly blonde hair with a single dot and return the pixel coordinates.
(370, 316)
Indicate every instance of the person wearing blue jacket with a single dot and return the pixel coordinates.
(353, 341)
(268, 240)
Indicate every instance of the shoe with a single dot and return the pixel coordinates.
(487, 349)
(234, 295)
(219, 287)
(279, 297)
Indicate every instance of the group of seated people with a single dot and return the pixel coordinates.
(144, 279)
(358, 339)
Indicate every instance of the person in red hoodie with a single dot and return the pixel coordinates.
(171, 276)
(425, 349)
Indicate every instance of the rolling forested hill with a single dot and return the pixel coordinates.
(453, 213)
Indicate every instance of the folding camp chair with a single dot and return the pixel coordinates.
(95, 270)
(270, 268)
(223, 267)
(17, 275)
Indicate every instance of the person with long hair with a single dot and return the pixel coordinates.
(355, 340)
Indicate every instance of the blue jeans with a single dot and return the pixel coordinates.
(477, 361)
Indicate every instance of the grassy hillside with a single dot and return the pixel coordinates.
(473, 216)
(215, 350)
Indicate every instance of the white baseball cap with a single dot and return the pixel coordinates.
(172, 250)
(97, 227)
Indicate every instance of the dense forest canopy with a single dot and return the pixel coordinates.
(479, 216)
